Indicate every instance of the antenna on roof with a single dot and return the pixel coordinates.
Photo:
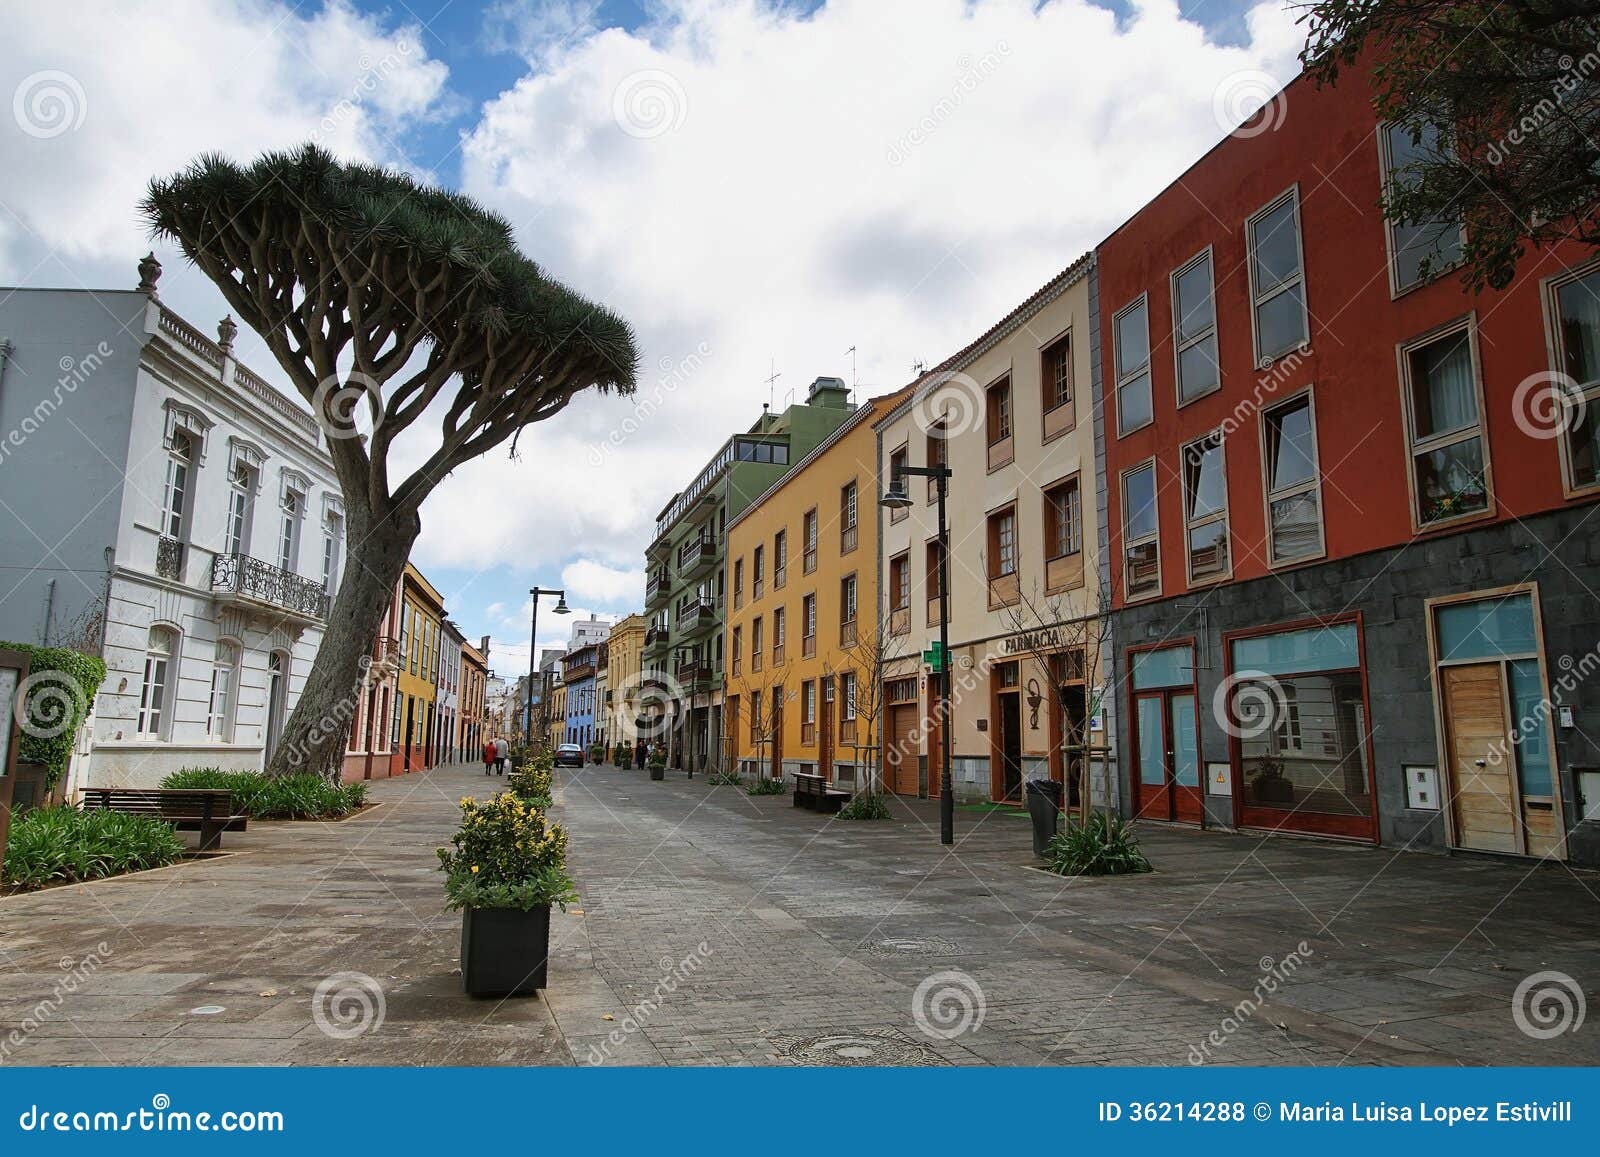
(774, 376)
(854, 380)
(918, 368)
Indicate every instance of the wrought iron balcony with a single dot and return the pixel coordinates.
(656, 586)
(693, 668)
(698, 616)
(169, 558)
(240, 578)
(697, 556)
(655, 639)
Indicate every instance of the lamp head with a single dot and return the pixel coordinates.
(896, 498)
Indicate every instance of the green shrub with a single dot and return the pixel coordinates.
(657, 759)
(1102, 846)
(64, 844)
(291, 797)
(866, 806)
(533, 785)
(723, 779)
(763, 786)
(506, 856)
(61, 685)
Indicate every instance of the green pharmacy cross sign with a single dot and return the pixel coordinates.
(934, 656)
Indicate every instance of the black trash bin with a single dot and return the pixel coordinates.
(1044, 806)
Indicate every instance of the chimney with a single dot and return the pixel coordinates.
(830, 392)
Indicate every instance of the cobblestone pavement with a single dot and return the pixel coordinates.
(718, 928)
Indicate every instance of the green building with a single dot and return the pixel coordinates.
(685, 570)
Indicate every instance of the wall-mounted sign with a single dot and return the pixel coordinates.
(1219, 778)
(1044, 639)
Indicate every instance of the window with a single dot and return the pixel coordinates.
(1194, 329)
(1055, 373)
(241, 499)
(1417, 252)
(847, 694)
(1004, 589)
(175, 498)
(1141, 544)
(738, 583)
(1449, 477)
(1205, 509)
(1277, 279)
(897, 466)
(758, 575)
(933, 553)
(1576, 304)
(294, 504)
(847, 610)
(808, 712)
(847, 518)
(738, 638)
(332, 543)
(756, 642)
(405, 640)
(998, 422)
(808, 532)
(755, 717)
(936, 454)
(808, 626)
(1063, 520)
(899, 582)
(394, 731)
(1131, 351)
(1294, 488)
(224, 677)
(159, 653)
(778, 635)
(780, 559)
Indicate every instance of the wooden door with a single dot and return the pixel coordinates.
(1482, 787)
(776, 770)
(1166, 757)
(825, 735)
(900, 752)
(1008, 746)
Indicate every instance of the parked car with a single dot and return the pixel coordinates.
(569, 755)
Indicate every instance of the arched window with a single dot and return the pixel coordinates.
(277, 695)
(175, 499)
(154, 694)
(224, 686)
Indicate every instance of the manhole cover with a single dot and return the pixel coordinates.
(894, 946)
(847, 1049)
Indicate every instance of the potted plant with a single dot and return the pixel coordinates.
(1269, 784)
(597, 752)
(619, 755)
(657, 763)
(504, 870)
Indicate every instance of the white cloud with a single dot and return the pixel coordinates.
(587, 579)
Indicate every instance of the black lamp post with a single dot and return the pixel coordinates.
(533, 654)
(896, 498)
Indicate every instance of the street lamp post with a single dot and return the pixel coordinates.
(896, 498)
(533, 654)
(688, 726)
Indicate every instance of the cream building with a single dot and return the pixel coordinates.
(1012, 415)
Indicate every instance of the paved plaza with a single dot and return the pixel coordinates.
(717, 928)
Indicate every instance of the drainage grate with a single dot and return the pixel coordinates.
(898, 946)
(849, 1049)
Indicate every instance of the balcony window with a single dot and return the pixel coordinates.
(931, 580)
(738, 583)
(1277, 279)
(1417, 252)
(175, 497)
(1205, 509)
(332, 545)
(937, 453)
(1294, 487)
(224, 680)
(294, 504)
(808, 626)
(1141, 546)
(758, 573)
(779, 622)
(160, 652)
(1063, 536)
(808, 712)
(997, 422)
(756, 643)
(1449, 475)
(1576, 305)
(897, 466)
(847, 611)
(738, 647)
(847, 518)
(241, 501)
(1194, 329)
(900, 594)
(808, 532)
(1002, 558)
(780, 559)
(1055, 387)
(1130, 338)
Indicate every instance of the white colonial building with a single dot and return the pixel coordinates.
(162, 502)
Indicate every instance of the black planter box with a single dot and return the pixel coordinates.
(504, 951)
(658, 773)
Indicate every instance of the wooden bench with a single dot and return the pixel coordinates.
(208, 811)
(813, 793)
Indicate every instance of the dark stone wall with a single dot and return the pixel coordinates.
(1558, 551)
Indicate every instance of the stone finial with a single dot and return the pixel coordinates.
(149, 274)
(227, 330)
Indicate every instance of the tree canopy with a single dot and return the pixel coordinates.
(1499, 101)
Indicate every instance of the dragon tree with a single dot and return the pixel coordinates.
(388, 304)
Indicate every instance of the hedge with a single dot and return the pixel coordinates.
(289, 797)
(60, 687)
(56, 845)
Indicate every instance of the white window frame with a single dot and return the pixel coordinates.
(1191, 524)
(1258, 299)
(1386, 175)
(1467, 323)
(1154, 536)
(224, 691)
(293, 507)
(1179, 344)
(177, 493)
(1125, 376)
(1269, 496)
(1588, 391)
(241, 508)
(158, 683)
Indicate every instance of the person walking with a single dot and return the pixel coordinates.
(488, 755)
(638, 753)
(502, 749)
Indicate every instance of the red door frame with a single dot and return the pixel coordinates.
(1314, 823)
(1170, 802)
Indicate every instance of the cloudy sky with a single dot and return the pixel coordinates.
(752, 184)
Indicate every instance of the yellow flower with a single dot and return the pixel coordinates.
(474, 869)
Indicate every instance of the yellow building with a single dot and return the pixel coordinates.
(625, 647)
(805, 651)
(421, 628)
(558, 713)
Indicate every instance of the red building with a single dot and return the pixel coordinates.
(1350, 545)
